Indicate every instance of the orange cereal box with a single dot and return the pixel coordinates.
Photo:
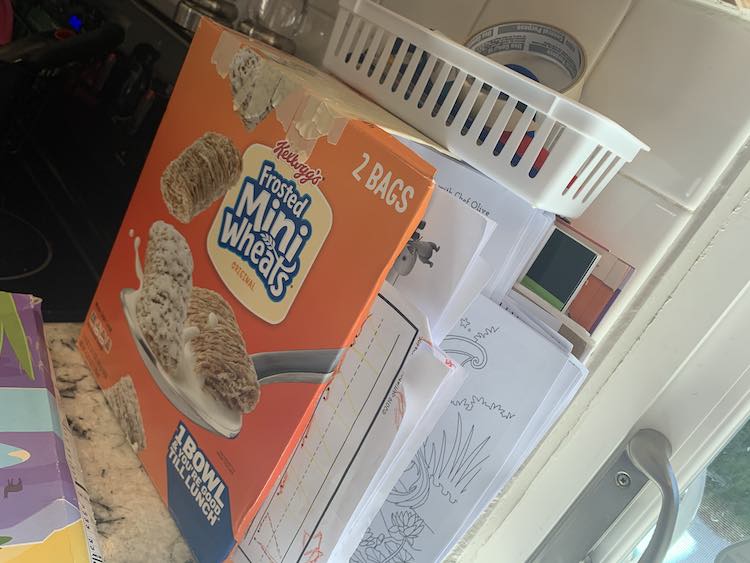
(271, 206)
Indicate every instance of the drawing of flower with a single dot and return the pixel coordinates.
(369, 540)
(358, 556)
(373, 556)
(403, 556)
(367, 555)
(391, 548)
(406, 526)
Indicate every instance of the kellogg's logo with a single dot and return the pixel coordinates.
(266, 235)
(302, 172)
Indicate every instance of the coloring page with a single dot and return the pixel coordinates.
(439, 253)
(558, 398)
(425, 376)
(511, 369)
(514, 215)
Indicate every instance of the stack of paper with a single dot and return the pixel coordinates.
(519, 380)
(520, 228)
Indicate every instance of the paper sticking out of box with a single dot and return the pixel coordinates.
(520, 227)
(45, 513)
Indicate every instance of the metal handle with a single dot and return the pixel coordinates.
(649, 450)
(642, 458)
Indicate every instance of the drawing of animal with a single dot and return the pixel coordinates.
(12, 487)
(415, 248)
(405, 262)
(422, 248)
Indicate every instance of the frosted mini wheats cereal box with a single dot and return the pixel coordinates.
(272, 204)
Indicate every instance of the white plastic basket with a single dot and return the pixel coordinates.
(554, 152)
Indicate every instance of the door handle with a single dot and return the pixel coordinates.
(649, 450)
(643, 458)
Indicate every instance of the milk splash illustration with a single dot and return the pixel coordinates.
(185, 388)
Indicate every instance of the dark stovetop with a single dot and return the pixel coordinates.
(63, 194)
(75, 129)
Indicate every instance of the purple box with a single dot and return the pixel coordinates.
(44, 511)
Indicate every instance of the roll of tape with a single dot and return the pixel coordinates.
(550, 54)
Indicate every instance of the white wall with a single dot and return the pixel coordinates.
(674, 75)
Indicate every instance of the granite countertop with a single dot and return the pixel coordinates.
(133, 523)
